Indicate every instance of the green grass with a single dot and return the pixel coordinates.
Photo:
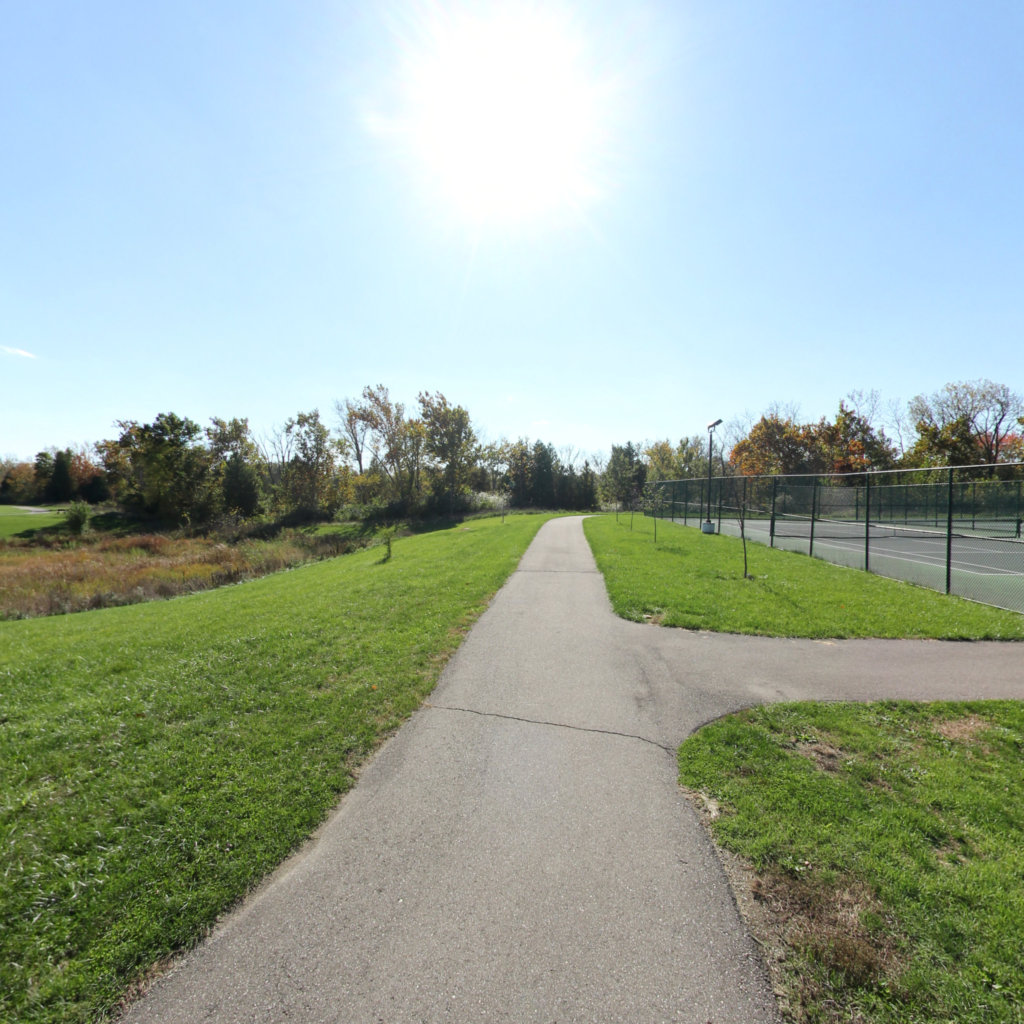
(696, 581)
(158, 759)
(15, 523)
(887, 840)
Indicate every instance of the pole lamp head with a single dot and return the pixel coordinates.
(711, 426)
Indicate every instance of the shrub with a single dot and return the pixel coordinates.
(78, 517)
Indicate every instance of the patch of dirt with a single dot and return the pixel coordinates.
(827, 757)
(962, 730)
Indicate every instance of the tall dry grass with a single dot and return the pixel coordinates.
(105, 571)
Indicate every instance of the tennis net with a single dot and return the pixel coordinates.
(822, 528)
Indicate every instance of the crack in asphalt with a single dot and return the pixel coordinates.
(560, 572)
(556, 725)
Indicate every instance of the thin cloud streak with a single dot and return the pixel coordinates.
(8, 351)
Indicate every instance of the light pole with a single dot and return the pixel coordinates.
(708, 526)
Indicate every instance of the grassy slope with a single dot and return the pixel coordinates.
(696, 581)
(159, 759)
(887, 840)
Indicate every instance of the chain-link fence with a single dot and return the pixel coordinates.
(953, 529)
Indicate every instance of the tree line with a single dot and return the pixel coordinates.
(380, 458)
(965, 423)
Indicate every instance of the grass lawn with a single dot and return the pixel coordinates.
(696, 581)
(887, 844)
(14, 522)
(158, 759)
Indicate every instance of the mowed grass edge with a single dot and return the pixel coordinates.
(695, 581)
(159, 759)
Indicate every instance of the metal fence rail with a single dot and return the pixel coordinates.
(953, 529)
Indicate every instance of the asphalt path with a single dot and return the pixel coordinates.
(520, 850)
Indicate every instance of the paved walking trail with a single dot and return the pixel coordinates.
(520, 850)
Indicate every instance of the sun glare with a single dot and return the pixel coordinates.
(501, 114)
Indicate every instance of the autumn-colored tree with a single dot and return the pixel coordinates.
(87, 477)
(19, 484)
(986, 410)
(776, 445)
(1013, 444)
(850, 444)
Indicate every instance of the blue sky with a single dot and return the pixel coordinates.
(215, 209)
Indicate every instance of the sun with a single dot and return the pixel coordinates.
(501, 114)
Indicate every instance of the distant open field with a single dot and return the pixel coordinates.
(15, 521)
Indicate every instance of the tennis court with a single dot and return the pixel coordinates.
(954, 535)
(982, 567)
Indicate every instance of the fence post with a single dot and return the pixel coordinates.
(771, 523)
(949, 535)
(867, 522)
(814, 501)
